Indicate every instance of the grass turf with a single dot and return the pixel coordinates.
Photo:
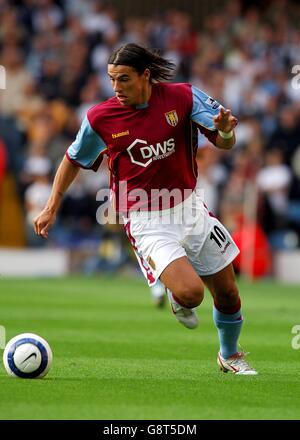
(117, 357)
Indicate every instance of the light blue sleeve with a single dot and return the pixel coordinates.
(204, 109)
(87, 146)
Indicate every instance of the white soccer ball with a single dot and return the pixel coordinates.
(27, 356)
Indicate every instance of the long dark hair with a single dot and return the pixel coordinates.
(140, 59)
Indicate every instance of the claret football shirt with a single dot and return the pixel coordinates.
(151, 148)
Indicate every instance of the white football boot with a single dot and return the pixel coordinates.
(237, 364)
(187, 317)
(158, 293)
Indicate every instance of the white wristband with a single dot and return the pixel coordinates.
(225, 135)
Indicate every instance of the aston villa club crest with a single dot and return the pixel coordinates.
(172, 118)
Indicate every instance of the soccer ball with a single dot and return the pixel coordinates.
(27, 356)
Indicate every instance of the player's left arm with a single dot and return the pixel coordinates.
(212, 119)
(225, 123)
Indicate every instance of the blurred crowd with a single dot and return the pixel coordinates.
(55, 55)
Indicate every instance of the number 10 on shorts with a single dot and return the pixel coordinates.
(218, 236)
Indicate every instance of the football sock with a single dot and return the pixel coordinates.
(229, 327)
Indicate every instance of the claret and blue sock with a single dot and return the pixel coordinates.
(229, 327)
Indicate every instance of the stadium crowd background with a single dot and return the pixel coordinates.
(55, 56)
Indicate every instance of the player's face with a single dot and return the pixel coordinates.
(130, 87)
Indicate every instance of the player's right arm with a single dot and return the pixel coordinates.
(65, 175)
(85, 152)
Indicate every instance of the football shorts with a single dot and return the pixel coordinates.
(188, 229)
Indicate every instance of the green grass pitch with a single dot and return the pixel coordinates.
(117, 357)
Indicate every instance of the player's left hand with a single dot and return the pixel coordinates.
(224, 121)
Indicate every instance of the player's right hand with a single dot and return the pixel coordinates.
(43, 222)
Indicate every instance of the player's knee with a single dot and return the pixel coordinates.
(191, 294)
(228, 296)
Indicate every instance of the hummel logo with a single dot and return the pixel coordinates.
(123, 133)
(32, 354)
